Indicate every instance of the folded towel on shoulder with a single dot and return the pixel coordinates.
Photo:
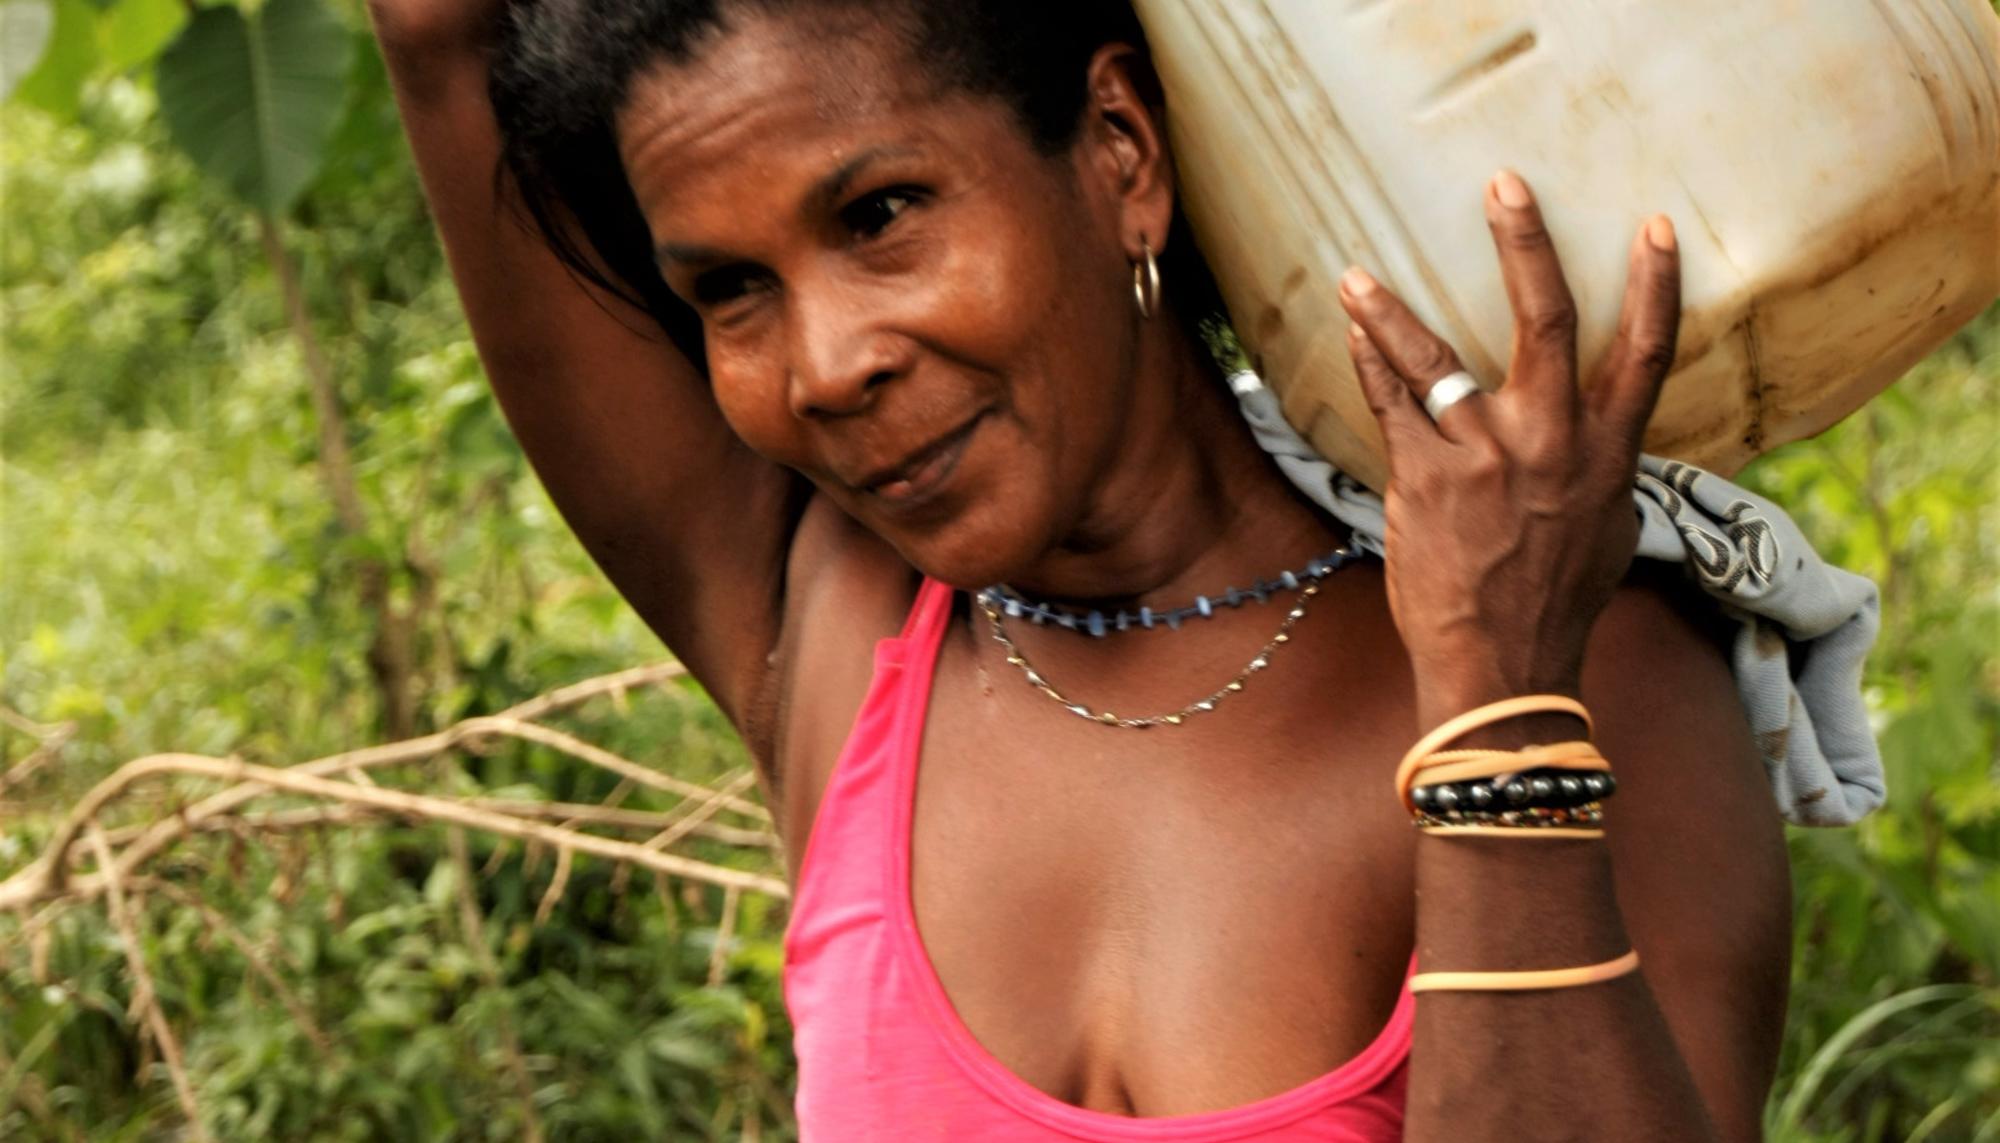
(1804, 626)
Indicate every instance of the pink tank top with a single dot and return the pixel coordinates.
(883, 1055)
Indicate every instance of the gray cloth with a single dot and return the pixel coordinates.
(1804, 625)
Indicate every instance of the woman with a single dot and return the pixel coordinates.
(918, 242)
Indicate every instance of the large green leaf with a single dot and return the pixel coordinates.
(252, 97)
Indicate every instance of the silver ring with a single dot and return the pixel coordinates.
(1448, 391)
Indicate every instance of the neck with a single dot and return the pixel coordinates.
(1188, 502)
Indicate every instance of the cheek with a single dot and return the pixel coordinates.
(750, 393)
(1076, 344)
(1028, 292)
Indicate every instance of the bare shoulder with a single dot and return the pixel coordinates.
(1696, 840)
(845, 590)
(1657, 678)
(838, 566)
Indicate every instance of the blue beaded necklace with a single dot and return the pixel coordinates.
(1096, 623)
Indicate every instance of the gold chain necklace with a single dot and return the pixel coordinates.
(1200, 706)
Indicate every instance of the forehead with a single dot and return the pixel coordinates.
(773, 95)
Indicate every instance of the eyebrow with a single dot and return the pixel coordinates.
(820, 197)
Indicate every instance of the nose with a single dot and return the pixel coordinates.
(840, 354)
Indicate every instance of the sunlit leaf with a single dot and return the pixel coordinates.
(67, 30)
(133, 32)
(25, 29)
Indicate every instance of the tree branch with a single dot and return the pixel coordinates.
(144, 997)
(45, 877)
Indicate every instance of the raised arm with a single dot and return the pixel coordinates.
(691, 526)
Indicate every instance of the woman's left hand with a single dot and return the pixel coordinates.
(1510, 519)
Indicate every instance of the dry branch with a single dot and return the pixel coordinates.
(606, 760)
(725, 935)
(50, 738)
(581, 813)
(584, 814)
(691, 815)
(552, 896)
(46, 876)
(145, 997)
(163, 833)
(614, 684)
(347, 794)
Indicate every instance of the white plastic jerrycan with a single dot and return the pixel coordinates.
(1832, 168)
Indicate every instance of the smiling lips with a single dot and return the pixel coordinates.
(917, 477)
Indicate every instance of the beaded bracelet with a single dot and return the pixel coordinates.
(1525, 790)
(1538, 791)
(1430, 745)
(1588, 814)
(1505, 771)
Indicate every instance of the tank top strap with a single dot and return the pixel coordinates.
(924, 626)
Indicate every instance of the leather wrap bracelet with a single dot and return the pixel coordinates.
(1454, 729)
(1547, 792)
(1536, 792)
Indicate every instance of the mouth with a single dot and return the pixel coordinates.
(921, 474)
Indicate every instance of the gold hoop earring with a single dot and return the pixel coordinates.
(1146, 280)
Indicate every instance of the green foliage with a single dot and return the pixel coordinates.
(408, 1033)
(253, 95)
(49, 49)
(1894, 1028)
(172, 579)
(132, 32)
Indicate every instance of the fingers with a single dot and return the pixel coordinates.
(1404, 422)
(1415, 356)
(1399, 359)
(1627, 385)
(1543, 371)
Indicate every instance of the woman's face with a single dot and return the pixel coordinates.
(902, 299)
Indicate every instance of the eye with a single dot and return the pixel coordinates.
(724, 284)
(872, 213)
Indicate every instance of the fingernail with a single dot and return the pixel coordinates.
(1510, 190)
(1357, 282)
(1355, 332)
(1660, 232)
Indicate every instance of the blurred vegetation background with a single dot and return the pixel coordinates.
(256, 501)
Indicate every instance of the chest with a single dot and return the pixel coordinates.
(1172, 920)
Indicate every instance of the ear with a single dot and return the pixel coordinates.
(1123, 146)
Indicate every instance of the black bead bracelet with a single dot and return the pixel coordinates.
(1528, 790)
(1590, 815)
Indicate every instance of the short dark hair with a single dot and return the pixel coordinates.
(562, 69)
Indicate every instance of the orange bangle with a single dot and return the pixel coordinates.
(1511, 831)
(1524, 981)
(1472, 720)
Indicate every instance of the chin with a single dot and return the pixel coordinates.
(991, 540)
(988, 518)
